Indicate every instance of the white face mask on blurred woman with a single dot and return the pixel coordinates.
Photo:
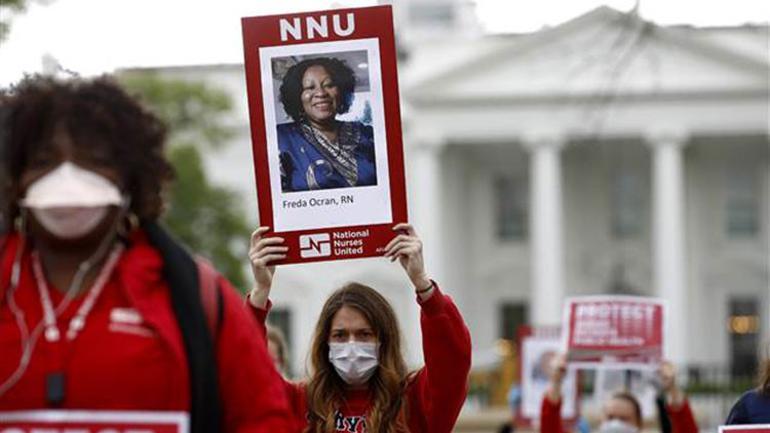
(70, 201)
(617, 426)
(354, 361)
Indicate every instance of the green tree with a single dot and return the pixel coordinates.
(7, 9)
(206, 217)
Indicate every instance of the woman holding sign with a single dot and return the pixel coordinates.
(622, 412)
(317, 151)
(358, 379)
(100, 309)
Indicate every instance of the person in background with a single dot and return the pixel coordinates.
(278, 350)
(358, 381)
(100, 309)
(754, 406)
(622, 412)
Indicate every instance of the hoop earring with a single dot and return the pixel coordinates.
(128, 225)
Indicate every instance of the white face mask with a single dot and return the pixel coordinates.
(355, 362)
(617, 426)
(69, 201)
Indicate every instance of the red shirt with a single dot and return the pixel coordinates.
(436, 393)
(130, 355)
(682, 420)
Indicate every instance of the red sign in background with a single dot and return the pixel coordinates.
(319, 243)
(64, 421)
(624, 328)
(763, 428)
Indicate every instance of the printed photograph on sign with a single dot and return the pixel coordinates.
(537, 356)
(324, 121)
(326, 137)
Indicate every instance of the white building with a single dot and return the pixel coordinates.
(604, 155)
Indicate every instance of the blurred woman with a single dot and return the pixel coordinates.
(278, 350)
(622, 413)
(754, 406)
(358, 380)
(99, 308)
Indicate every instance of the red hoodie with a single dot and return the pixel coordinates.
(682, 420)
(130, 355)
(436, 393)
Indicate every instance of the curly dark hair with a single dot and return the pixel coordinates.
(291, 87)
(95, 112)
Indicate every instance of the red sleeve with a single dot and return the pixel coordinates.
(550, 417)
(253, 393)
(439, 389)
(261, 315)
(682, 420)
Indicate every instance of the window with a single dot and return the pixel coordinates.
(511, 200)
(627, 204)
(512, 316)
(742, 203)
(743, 324)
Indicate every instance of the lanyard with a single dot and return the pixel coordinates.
(55, 381)
(78, 322)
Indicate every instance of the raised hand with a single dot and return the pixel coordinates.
(262, 252)
(406, 247)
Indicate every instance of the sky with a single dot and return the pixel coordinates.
(94, 36)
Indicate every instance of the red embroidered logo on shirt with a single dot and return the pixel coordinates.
(349, 424)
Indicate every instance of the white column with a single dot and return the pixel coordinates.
(546, 244)
(669, 238)
(426, 206)
(424, 192)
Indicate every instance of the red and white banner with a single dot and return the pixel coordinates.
(756, 428)
(614, 332)
(96, 421)
(326, 130)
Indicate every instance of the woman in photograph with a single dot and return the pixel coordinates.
(317, 151)
(358, 380)
(100, 309)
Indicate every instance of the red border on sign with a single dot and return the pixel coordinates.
(371, 22)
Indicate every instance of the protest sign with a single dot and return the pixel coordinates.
(756, 428)
(326, 131)
(613, 332)
(96, 421)
(537, 348)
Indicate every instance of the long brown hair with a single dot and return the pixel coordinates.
(764, 375)
(326, 390)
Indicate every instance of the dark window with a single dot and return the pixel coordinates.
(743, 325)
(512, 316)
(742, 202)
(627, 204)
(511, 200)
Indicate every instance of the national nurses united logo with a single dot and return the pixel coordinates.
(315, 245)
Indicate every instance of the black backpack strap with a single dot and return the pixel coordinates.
(181, 273)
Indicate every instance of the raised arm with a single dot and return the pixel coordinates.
(262, 252)
(682, 419)
(550, 413)
(438, 391)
